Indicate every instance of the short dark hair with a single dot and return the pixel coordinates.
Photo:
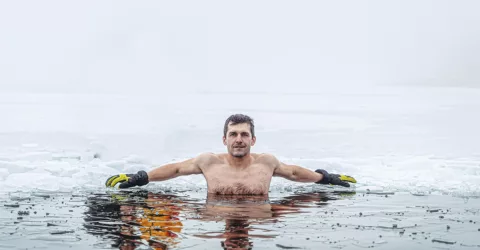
(237, 119)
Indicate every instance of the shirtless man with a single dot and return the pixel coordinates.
(236, 172)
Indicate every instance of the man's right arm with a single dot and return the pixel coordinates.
(162, 173)
(173, 170)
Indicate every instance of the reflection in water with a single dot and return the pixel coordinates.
(131, 219)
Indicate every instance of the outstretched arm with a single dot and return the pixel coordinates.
(162, 173)
(296, 173)
(320, 176)
(173, 170)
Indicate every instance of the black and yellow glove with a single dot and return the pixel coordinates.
(128, 180)
(335, 179)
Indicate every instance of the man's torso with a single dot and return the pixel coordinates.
(225, 179)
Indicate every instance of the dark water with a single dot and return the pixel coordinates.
(140, 219)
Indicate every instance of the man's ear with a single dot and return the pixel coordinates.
(254, 139)
(224, 140)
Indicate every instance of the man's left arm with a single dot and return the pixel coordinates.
(296, 173)
(320, 176)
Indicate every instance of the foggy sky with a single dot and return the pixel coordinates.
(153, 47)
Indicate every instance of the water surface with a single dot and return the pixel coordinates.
(141, 219)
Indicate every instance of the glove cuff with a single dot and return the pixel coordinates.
(325, 179)
(142, 178)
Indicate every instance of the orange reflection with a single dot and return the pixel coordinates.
(154, 220)
(134, 219)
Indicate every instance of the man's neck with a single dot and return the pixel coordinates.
(239, 162)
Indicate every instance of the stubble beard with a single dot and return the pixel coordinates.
(240, 154)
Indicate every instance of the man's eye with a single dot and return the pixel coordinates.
(245, 134)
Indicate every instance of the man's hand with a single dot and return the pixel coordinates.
(335, 179)
(128, 180)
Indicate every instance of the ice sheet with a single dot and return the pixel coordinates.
(419, 140)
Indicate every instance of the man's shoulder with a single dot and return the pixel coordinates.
(208, 157)
(265, 157)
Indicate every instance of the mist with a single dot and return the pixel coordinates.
(157, 47)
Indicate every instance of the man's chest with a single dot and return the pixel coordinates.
(223, 179)
(255, 172)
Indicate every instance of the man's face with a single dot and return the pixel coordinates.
(238, 139)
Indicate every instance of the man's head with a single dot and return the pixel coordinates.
(239, 135)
